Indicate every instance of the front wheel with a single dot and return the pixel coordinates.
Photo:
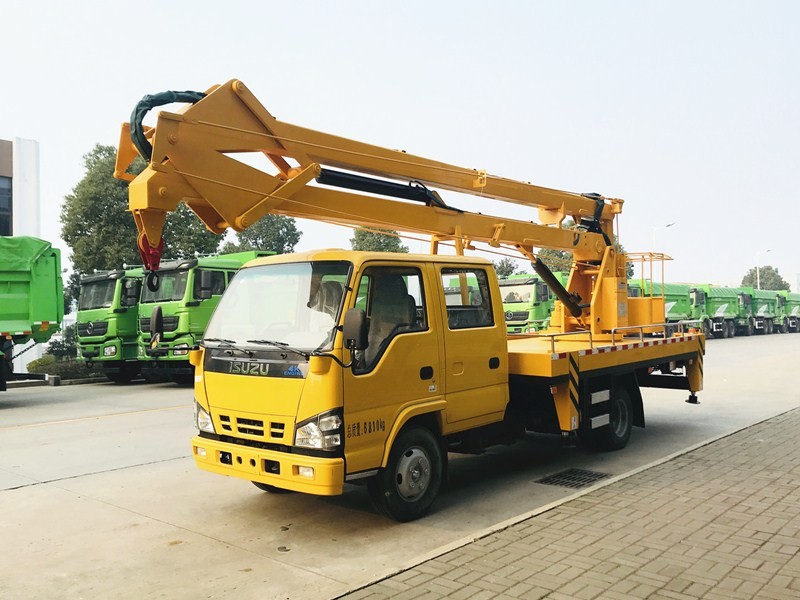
(407, 487)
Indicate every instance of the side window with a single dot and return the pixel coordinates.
(394, 300)
(467, 298)
(542, 292)
(130, 292)
(217, 283)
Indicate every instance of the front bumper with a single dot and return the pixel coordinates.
(267, 466)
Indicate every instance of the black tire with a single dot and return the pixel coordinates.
(768, 327)
(731, 329)
(126, 374)
(784, 327)
(616, 434)
(750, 327)
(724, 333)
(707, 328)
(407, 487)
(182, 379)
(265, 487)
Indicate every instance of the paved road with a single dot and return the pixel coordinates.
(721, 522)
(101, 499)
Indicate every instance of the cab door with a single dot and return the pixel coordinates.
(475, 346)
(401, 365)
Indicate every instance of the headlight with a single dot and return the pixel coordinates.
(110, 351)
(180, 350)
(202, 419)
(323, 431)
(140, 351)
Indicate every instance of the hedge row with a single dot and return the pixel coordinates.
(66, 369)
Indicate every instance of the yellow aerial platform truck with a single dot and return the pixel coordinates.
(332, 366)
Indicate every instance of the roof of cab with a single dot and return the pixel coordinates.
(357, 257)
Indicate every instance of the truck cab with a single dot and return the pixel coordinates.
(106, 325)
(527, 302)
(283, 402)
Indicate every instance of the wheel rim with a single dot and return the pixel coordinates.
(619, 421)
(413, 475)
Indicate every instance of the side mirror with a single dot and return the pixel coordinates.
(355, 329)
(205, 285)
(131, 293)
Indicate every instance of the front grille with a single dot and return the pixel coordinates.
(519, 315)
(270, 431)
(170, 323)
(92, 328)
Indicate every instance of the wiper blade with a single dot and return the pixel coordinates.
(282, 345)
(228, 344)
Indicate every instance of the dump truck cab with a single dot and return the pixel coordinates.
(106, 324)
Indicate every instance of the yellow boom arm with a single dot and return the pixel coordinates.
(192, 161)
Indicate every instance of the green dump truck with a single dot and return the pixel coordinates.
(31, 297)
(788, 307)
(723, 311)
(677, 301)
(765, 310)
(107, 322)
(173, 318)
(527, 302)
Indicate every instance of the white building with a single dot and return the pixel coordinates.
(20, 204)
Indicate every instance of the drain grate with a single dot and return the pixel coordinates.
(573, 478)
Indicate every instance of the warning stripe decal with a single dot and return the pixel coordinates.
(644, 344)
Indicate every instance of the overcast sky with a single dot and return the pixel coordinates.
(686, 109)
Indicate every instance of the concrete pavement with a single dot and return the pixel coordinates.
(721, 521)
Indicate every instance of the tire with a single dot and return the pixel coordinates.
(182, 379)
(707, 328)
(750, 327)
(784, 327)
(265, 487)
(725, 331)
(407, 487)
(616, 434)
(731, 329)
(768, 327)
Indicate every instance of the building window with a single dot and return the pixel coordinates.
(5, 206)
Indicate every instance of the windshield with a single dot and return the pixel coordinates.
(296, 304)
(98, 294)
(516, 293)
(172, 286)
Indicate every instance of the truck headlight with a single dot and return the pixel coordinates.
(322, 432)
(110, 351)
(180, 350)
(202, 419)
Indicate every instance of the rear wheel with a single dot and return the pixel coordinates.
(616, 434)
(768, 327)
(750, 327)
(725, 332)
(407, 487)
(731, 329)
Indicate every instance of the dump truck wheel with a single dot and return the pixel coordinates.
(407, 487)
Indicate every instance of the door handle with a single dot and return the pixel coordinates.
(426, 373)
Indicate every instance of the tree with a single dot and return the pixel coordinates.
(275, 233)
(505, 267)
(66, 347)
(97, 227)
(71, 290)
(376, 240)
(768, 276)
